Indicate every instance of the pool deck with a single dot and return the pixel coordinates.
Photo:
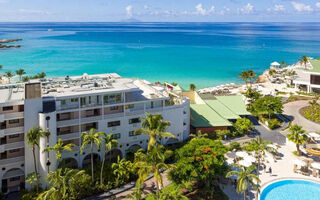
(281, 169)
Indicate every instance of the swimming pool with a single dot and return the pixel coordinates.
(291, 190)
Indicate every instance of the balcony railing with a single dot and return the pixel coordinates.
(14, 115)
(11, 160)
(10, 146)
(68, 106)
(114, 115)
(69, 136)
(71, 122)
(10, 131)
(91, 119)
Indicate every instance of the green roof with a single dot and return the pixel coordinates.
(315, 66)
(234, 103)
(203, 115)
(222, 109)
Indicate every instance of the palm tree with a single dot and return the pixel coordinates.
(9, 75)
(244, 75)
(198, 135)
(154, 127)
(251, 76)
(109, 144)
(33, 140)
(298, 136)
(59, 148)
(20, 73)
(192, 87)
(91, 138)
(153, 162)
(304, 60)
(63, 182)
(121, 170)
(260, 147)
(283, 63)
(245, 179)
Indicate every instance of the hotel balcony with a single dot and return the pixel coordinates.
(10, 146)
(88, 116)
(8, 161)
(113, 112)
(67, 119)
(11, 131)
(9, 116)
(68, 106)
(69, 136)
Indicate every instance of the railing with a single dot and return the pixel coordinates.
(13, 145)
(10, 131)
(11, 160)
(69, 136)
(91, 119)
(91, 105)
(68, 106)
(13, 115)
(114, 115)
(67, 122)
(134, 112)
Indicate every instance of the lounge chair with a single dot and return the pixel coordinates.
(295, 170)
(305, 171)
(314, 172)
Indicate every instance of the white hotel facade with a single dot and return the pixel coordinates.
(67, 106)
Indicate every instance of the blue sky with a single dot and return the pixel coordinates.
(160, 10)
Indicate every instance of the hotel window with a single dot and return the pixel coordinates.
(113, 98)
(6, 108)
(114, 108)
(89, 100)
(134, 120)
(17, 178)
(14, 150)
(82, 101)
(13, 121)
(74, 100)
(129, 106)
(114, 123)
(115, 136)
(131, 133)
(63, 102)
(14, 136)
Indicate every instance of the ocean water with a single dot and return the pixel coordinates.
(205, 54)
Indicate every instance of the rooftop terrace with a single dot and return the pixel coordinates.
(69, 86)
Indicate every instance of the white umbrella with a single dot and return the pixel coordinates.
(300, 163)
(229, 162)
(272, 146)
(241, 154)
(249, 158)
(315, 165)
(245, 163)
(315, 135)
(231, 155)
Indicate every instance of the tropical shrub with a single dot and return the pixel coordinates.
(243, 126)
(201, 162)
(234, 146)
(268, 106)
(312, 112)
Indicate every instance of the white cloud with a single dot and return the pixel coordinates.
(318, 4)
(301, 7)
(129, 11)
(41, 12)
(224, 10)
(202, 11)
(247, 9)
(277, 8)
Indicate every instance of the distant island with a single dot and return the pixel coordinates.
(4, 41)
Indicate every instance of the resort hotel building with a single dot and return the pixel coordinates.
(67, 106)
(309, 79)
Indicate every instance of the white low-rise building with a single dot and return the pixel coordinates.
(67, 106)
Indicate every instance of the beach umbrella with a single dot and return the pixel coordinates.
(229, 161)
(300, 163)
(245, 163)
(315, 135)
(315, 165)
(272, 146)
(241, 154)
(231, 155)
(249, 158)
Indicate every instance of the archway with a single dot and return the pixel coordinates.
(87, 160)
(171, 141)
(132, 149)
(69, 163)
(13, 180)
(112, 155)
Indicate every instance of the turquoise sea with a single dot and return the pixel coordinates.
(206, 54)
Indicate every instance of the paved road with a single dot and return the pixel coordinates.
(292, 110)
(265, 134)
